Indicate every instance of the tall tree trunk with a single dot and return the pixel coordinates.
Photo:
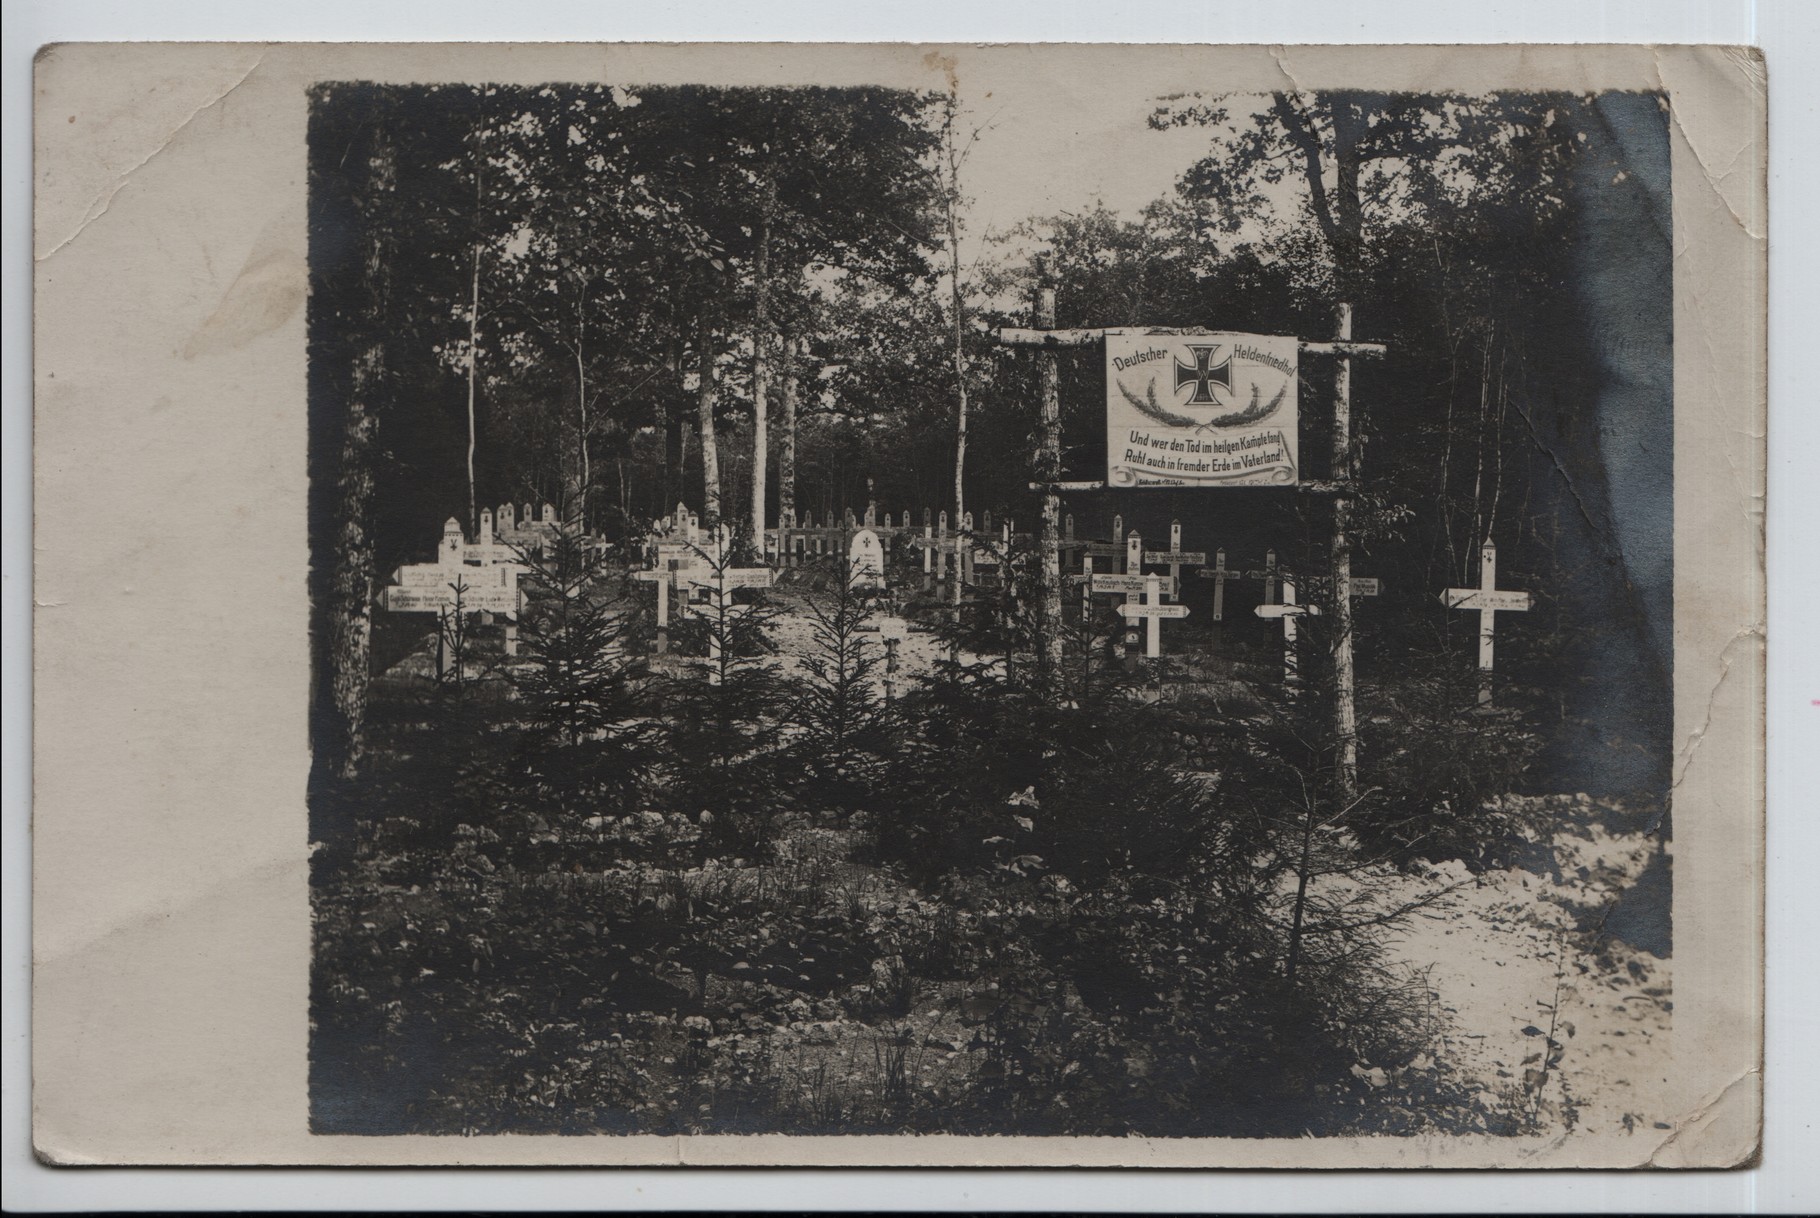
(665, 500)
(786, 457)
(1345, 724)
(1048, 469)
(761, 340)
(958, 322)
(473, 362)
(952, 216)
(577, 513)
(1349, 215)
(350, 608)
(704, 401)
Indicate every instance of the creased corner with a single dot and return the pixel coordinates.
(1747, 158)
(1724, 1130)
(99, 206)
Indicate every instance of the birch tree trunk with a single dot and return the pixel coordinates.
(761, 339)
(473, 361)
(1048, 468)
(952, 217)
(960, 368)
(704, 400)
(786, 456)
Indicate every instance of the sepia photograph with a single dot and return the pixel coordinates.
(799, 652)
(893, 605)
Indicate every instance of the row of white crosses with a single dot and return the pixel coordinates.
(1158, 601)
(986, 548)
(694, 563)
(481, 577)
(1144, 593)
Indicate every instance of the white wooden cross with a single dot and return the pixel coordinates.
(1175, 556)
(662, 578)
(719, 583)
(1153, 611)
(1489, 601)
(1289, 611)
(1268, 575)
(1218, 573)
(1134, 565)
(435, 587)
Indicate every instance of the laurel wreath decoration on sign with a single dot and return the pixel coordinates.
(1256, 412)
(1152, 409)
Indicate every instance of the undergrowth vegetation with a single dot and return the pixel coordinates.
(586, 892)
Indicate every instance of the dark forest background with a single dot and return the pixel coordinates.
(1042, 886)
(1512, 251)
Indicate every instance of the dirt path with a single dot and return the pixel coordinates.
(1550, 1011)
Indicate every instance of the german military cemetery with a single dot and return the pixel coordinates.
(815, 635)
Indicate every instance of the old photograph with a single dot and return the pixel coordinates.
(797, 653)
(895, 605)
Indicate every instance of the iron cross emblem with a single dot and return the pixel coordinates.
(1204, 375)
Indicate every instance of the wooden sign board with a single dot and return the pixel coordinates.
(1190, 558)
(430, 575)
(1204, 410)
(1128, 584)
(1477, 598)
(444, 575)
(744, 577)
(1104, 549)
(1154, 610)
(435, 600)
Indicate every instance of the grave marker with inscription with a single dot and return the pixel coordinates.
(1489, 601)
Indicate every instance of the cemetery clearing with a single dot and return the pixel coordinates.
(803, 976)
(1047, 693)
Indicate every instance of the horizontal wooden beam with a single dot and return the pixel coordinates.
(1012, 336)
(1309, 348)
(1067, 486)
(1007, 336)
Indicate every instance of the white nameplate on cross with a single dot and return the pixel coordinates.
(1153, 612)
(1489, 602)
(743, 577)
(1102, 583)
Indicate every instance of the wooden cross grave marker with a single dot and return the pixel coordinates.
(720, 585)
(1218, 574)
(1289, 611)
(1152, 611)
(1489, 602)
(436, 587)
(1176, 557)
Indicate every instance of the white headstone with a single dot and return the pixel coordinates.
(866, 561)
(452, 543)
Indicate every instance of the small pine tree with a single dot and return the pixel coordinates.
(723, 737)
(839, 706)
(581, 681)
